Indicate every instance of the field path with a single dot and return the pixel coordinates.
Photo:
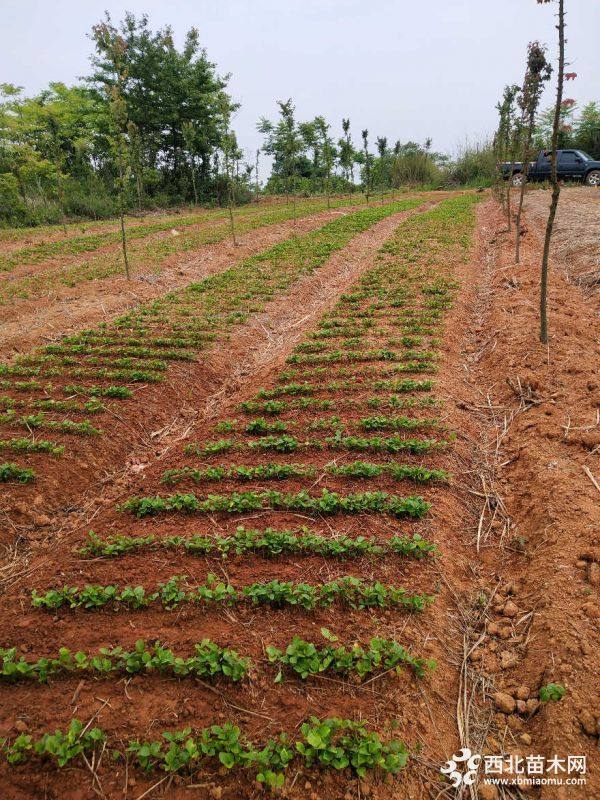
(539, 416)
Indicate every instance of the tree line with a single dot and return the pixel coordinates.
(150, 127)
(149, 116)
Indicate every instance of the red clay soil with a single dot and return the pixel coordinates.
(541, 537)
(425, 711)
(516, 585)
(66, 310)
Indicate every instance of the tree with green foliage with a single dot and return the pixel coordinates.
(230, 150)
(231, 155)
(284, 142)
(310, 141)
(326, 146)
(579, 130)
(51, 145)
(545, 123)
(164, 88)
(347, 155)
(382, 149)
(586, 130)
(537, 72)
(506, 142)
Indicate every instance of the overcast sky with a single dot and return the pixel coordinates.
(406, 70)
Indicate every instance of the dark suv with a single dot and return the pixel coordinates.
(572, 165)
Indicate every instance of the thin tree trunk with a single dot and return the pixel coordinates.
(230, 199)
(193, 171)
(525, 173)
(122, 215)
(124, 243)
(555, 183)
(508, 188)
(257, 181)
(513, 148)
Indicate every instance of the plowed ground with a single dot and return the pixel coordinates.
(400, 384)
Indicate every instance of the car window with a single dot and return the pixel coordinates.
(569, 158)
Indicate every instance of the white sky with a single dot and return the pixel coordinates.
(403, 69)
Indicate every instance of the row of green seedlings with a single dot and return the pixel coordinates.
(149, 254)
(209, 660)
(332, 743)
(248, 218)
(276, 471)
(352, 592)
(300, 656)
(308, 436)
(325, 503)
(268, 542)
(138, 347)
(275, 436)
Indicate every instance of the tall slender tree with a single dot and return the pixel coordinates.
(538, 71)
(367, 158)
(113, 47)
(284, 143)
(382, 149)
(291, 146)
(506, 142)
(310, 138)
(554, 159)
(230, 150)
(326, 144)
(346, 156)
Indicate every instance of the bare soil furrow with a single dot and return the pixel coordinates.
(65, 309)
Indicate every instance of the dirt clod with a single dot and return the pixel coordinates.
(504, 702)
(508, 659)
(510, 609)
(589, 722)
